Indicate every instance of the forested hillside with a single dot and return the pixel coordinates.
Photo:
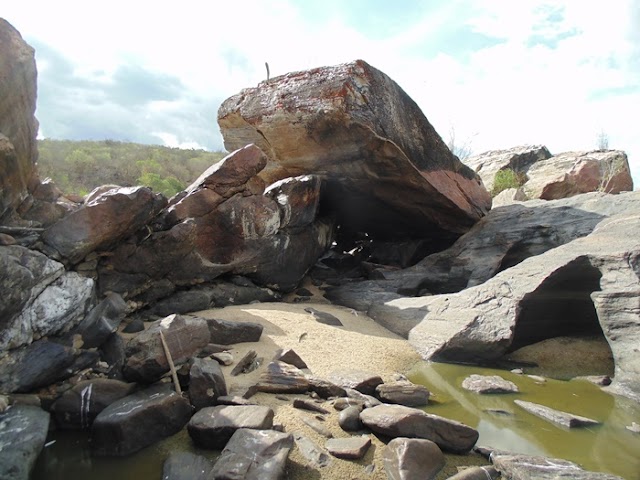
(80, 166)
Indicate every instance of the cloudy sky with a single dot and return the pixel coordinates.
(498, 73)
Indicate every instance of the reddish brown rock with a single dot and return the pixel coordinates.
(386, 170)
(18, 125)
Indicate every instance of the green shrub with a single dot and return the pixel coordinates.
(506, 178)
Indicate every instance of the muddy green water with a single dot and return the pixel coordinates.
(609, 447)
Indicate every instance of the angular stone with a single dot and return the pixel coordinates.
(403, 393)
(186, 466)
(139, 420)
(324, 317)
(225, 332)
(78, 407)
(223, 358)
(185, 301)
(489, 384)
(281, 377)
(525, 467)
(324, 388)
(254, 455)
(351, 448)
(476, 473)
(291, 357)
(246, 364)
(564, 419)
(367, 400)
(409, 458)
(401, 421)
(100, 322)
(297, 198)
(23, 431)
(206, 383)
(364, 382)
(349, 419)
(365, 120)
(146, 360)
(102, 222)
(212, 427)
(312, 452)
(316, 426)
(309, 405)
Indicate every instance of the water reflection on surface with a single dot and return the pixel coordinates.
(609, 447)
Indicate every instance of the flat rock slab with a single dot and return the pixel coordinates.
(139, 420)
(400, 421)
(489, 384)
(23, 431)
(412, 458)
(186, 466)
(206, 383)
(281, 377)
(254, 455)
(364, 382)
(324, 317)
(564, 419)
(225, 332)
(351, 448)
(291, 357)
(212, 427)
(312, 452)
(526, 467)
(403, 393)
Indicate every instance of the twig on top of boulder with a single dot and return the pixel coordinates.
(172, 367)
(20, 230)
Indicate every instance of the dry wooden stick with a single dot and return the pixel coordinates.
(172, 367)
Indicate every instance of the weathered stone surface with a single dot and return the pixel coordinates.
(364, 382)
(23, 431)
(146, 360)
(225, 332)
(519, 159)
(246, 364)
(403, 393)
(350, 448)
(324, 388)
(36, 365)
(368, 124)
(400, 421)
(139, 420)
(186, 466)
(101, 321)
(526, 467)
(297, 199)
(78, 407)
(589, 284)
(412, 458)
(18, 125)
(349, 419)
(502, 239)
(571, 173)
(309, 405)
(281, 377)
(317, 426)
(99, 224)
(312, 452)
(291, 357)
(112, 352)
(509, 196)
(206, 383)
(367, 400)
(254, 455)
(564, 419)
(185, 301)
(489, 384)
(324, 317)
(476, 473)
(212, 427)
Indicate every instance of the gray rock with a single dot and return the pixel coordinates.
(134, 326)
(476, 473)
(99, 323)
(350, 448)
(324, 317)
(139, 420)
(324, 388)
(223, 358)
(309, 405)
(412, 458)
(146, 359)
(23, 431)
(212, 427)
(403, 393)
(565, 419)
(526, 467)
(367, 400)
(349, 419)
(364, 382)
(78, 407)
(186, 466)
(206, 383)
(316, 455)
(225, 332)
(185, 301)
(316, 426)
(400, 421)
(291, 357)
(634, 427)
(344, 403)
(489, 384)
(254, 455)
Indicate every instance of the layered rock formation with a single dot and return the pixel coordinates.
(386, 171)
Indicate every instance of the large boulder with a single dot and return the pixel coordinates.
(588, 286)
(139, 420)
(518, 159)
(23, 431)
(18, 125)
(146, 358)
(100, 223)
(386, 171)
(571, 173)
